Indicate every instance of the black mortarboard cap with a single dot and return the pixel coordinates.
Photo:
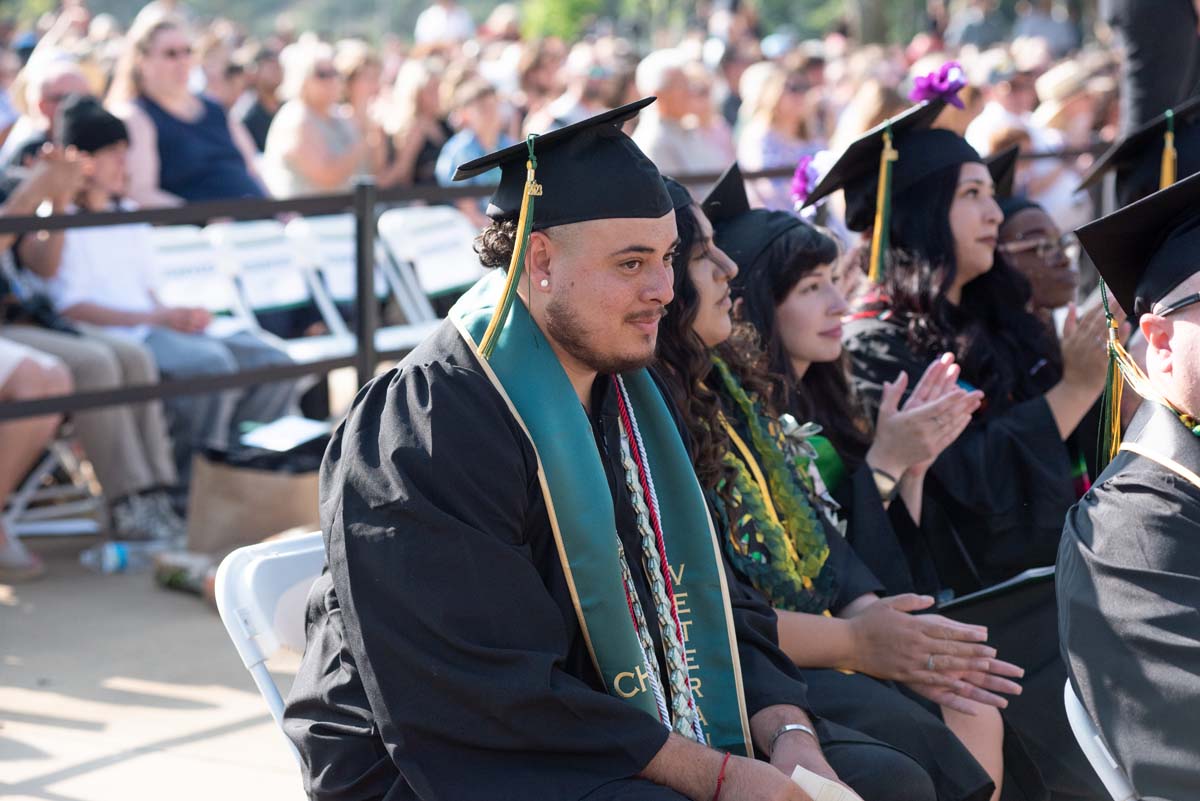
(922, 152)
(588, 171)
(1003, 167)
(1137, 158)
(727, 199)
(85, 124)
(1148, 248)
(681, 198)
(741, 232)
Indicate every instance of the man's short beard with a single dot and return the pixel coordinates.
(563, 326)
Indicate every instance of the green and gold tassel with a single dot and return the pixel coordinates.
(883, 207)
(524, 226)
(1121, 368)
(1166, 173)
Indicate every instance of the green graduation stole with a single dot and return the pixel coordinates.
(528, 375)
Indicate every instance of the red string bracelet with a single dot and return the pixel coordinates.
(721, 776)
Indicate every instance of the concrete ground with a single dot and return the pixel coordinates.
(112, 688)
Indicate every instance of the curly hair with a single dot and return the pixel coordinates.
(495, 244)
(824, 394)
(684, 362)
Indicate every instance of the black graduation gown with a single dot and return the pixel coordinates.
(444, 658)
(1128, 599)
(993, 505)
(995, 499)
(880, 709)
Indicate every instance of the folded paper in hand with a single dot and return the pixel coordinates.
(821, 789)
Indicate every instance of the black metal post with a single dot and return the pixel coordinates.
(365, 308)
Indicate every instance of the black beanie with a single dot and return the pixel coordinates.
(85, 124)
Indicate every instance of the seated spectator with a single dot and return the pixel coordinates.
(313, 147)
(46, 86)
(1009, 99)
(667, 131)
(25, 374)
(222, 78)
(127, 446)
(415, 124)
(444, 22)
(105, 277)
(587, 92)
(481, 131)
(258, 106)
(773, 130)
(362, 72)
(182, 146)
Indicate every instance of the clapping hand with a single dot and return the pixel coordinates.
(909, 437)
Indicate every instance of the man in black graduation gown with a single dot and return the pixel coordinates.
(1128, 565)
(454, 651)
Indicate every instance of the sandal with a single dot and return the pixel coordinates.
(17, 563)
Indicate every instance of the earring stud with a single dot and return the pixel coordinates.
(545, 282)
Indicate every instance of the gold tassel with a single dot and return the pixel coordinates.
(1166, 175)
(883, 208)
(516, 264)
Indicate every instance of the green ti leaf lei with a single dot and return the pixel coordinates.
(786, 561)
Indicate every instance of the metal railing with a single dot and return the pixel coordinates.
(363, 202)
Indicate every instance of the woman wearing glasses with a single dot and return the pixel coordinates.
(774, 129)
(183, 147)
(314, 146)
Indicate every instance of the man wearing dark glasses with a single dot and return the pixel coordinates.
(1129, 562)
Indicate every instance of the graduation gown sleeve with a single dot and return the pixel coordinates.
(1004, 485)
(427, 490)
(1129, 613)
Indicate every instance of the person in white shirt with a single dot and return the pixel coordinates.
(665, 133)
(444, 21)
(105, 277)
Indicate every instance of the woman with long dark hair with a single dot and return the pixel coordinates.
(1000, 492)
(779, 537)
(787, 289)
(995, 499)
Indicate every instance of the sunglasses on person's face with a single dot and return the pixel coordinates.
(325, 74)
(173, 53)
(796, 87)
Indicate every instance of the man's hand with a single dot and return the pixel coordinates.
(751, 780)
(57, 175)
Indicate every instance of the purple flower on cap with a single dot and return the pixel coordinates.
(804, 180)
(942, 84)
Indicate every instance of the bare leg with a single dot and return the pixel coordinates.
(983, 735)
(25, 439)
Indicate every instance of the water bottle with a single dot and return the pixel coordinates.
(120, 557)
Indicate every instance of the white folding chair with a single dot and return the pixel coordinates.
(190, 273)
(328, 245)
(439, 243)
(1110, 773)
(273, 277)
(58, 497)
(261, 591)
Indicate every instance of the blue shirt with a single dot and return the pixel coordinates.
(464, 146)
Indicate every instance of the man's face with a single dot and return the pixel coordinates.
(109, 170)
(58, 89)
(609, 286)
(1173, 351)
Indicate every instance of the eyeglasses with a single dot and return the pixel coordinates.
(173, 53)
(1044, 247)
(796, 87)
(325, 74)
(1179, 305)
